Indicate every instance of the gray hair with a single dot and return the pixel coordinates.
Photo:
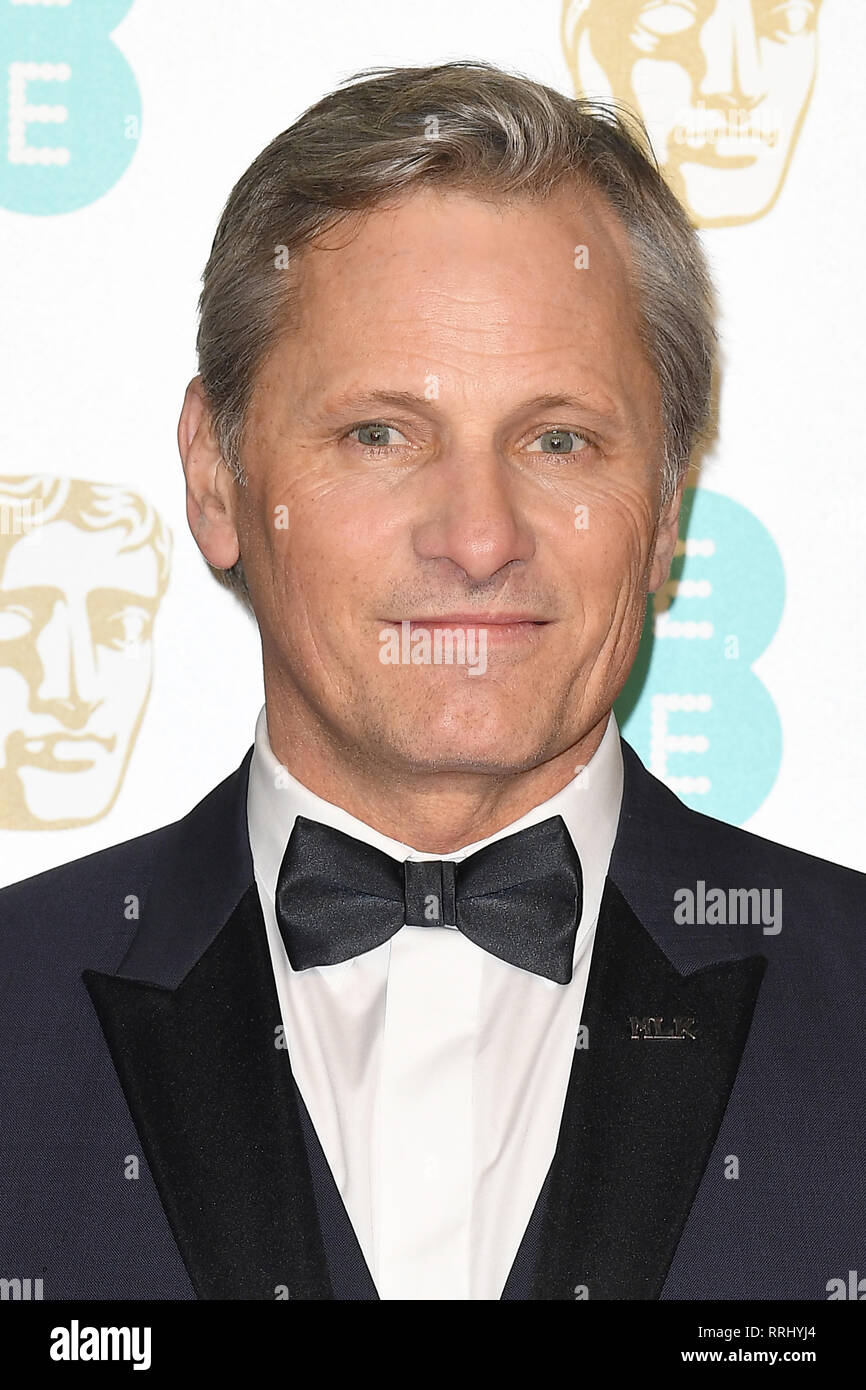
(472, 127)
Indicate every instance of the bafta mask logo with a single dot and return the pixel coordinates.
(83, 567)
(722, 87)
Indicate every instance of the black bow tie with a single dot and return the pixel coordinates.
(519, 898)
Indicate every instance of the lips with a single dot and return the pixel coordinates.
(505, 630)
(488, 620)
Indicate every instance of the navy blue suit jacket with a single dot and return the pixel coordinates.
(138, 1022)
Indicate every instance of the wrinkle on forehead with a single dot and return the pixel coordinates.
(446, 280)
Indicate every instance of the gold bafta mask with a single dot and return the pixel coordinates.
(722, 87)
(83, 567)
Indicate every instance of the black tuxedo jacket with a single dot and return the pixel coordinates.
(154, 1144)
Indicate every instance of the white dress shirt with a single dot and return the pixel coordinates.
(434, 1073)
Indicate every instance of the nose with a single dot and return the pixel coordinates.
(68, 687)
(472, 520)
(733, 74)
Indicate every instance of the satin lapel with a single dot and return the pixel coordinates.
(216, 1108)
(641, 1114)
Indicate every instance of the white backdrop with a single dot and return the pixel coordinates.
(98, 314)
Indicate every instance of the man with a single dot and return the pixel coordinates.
(415, 1004)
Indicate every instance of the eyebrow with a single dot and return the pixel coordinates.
(603, 412)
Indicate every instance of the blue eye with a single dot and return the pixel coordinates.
(377, 435)
(558, 442)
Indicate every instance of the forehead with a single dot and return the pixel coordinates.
(447, 279)
(446, 241)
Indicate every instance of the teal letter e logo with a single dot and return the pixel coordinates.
(70, 110)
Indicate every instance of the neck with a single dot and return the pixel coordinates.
(434, 812)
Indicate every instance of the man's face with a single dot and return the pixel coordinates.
(722, 86)
(76, 617)
(462, 429)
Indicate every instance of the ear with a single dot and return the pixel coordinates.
(666, 538)
(210, 486)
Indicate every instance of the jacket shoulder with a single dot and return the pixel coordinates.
(81, 913)
(664, 847)
(731, 844)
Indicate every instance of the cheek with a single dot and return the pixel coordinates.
(609, 554)
(320, 508)
(323, 566)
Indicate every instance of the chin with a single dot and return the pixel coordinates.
(483, 762)
(495, 748)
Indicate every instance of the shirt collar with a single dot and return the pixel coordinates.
(589, 804)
